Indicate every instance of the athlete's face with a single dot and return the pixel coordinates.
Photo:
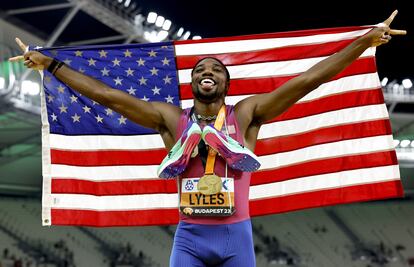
(209, 80)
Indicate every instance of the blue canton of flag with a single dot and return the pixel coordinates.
(189, 185)
(146, 71)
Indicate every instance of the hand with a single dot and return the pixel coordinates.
(32, 59)
(382, 33)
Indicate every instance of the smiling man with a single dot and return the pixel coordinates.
(211, 145)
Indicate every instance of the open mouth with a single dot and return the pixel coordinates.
(207, 83)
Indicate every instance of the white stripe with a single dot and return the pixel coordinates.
(300, 185)
(327, 119)
(105, 173)
(325, 181)
(267, 69)
(343, 85)
(329, 150)
(101, 142)
(259, 44)
(121, 202)
(294, 126)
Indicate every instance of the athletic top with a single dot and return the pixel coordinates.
(195, 169)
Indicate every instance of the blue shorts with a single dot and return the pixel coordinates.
(224, 245)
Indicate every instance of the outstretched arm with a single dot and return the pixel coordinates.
(160, 116)
(265, 107)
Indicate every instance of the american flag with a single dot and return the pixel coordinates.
(333, 146)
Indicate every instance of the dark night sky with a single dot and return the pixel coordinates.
(219, 18)
(215, 18)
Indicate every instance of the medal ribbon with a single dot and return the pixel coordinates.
(211, 158)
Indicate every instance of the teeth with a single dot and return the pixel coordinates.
(207, 81)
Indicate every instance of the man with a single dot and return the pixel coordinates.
(215, 227)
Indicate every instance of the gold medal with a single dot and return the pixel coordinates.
(209, 184)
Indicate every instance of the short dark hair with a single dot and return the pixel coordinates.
(216, 59)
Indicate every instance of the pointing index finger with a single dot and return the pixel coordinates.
(23, 47)
(391, 18)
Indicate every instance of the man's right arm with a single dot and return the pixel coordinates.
(159, 116)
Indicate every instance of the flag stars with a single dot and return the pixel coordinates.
(50, 98)
(94, 102)
(81, 70)
(154, 71)
(127, 53)
(86, 109)
(47, 79)
(118, 81)
(122, 120)
(129, 72)
(73, 99)
(102, 53)
(169, 99)
(156, 90)
(76, 118)
(145, 98)
(105, 72)
(78, 53)
(54, 117)
(99, 119)
(165, 61)
(152, 53)
(61, 89)
(131, 91)
(142, 81)
(116, 62)
(63, 109)
(167, 80)
(141, 62)
(109, 112)
(91, 62)
(67, 61)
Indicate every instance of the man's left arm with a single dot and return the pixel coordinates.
(267, 106)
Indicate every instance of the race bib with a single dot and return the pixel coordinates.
(195, 203)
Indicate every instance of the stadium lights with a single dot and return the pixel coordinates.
(405, 143)
(196, 37)
(30, 88)
(180, 32)
(152, 17)
(159, 21)
(407, 83)
(167, 25)
(384, 81)
(186, 35)
(127, 3)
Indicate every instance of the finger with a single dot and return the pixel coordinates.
(398, 32)
(23, 47)
(17, 58)
(391, 18)
(27, 62)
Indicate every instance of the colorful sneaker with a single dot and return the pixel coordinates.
(237, 156)
(177, 159)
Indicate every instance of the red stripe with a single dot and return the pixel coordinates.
(391, 189)
(323, 166)
(275, 35)
(114, 218)
(275, 145)
(107, 157)
(267, 55)
(76, 186)
(268, 84)
(333, 102)
(349, 194)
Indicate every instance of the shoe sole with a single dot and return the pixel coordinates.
(177, 166)
(237, 158)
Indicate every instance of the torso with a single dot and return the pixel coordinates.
(241, 180)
